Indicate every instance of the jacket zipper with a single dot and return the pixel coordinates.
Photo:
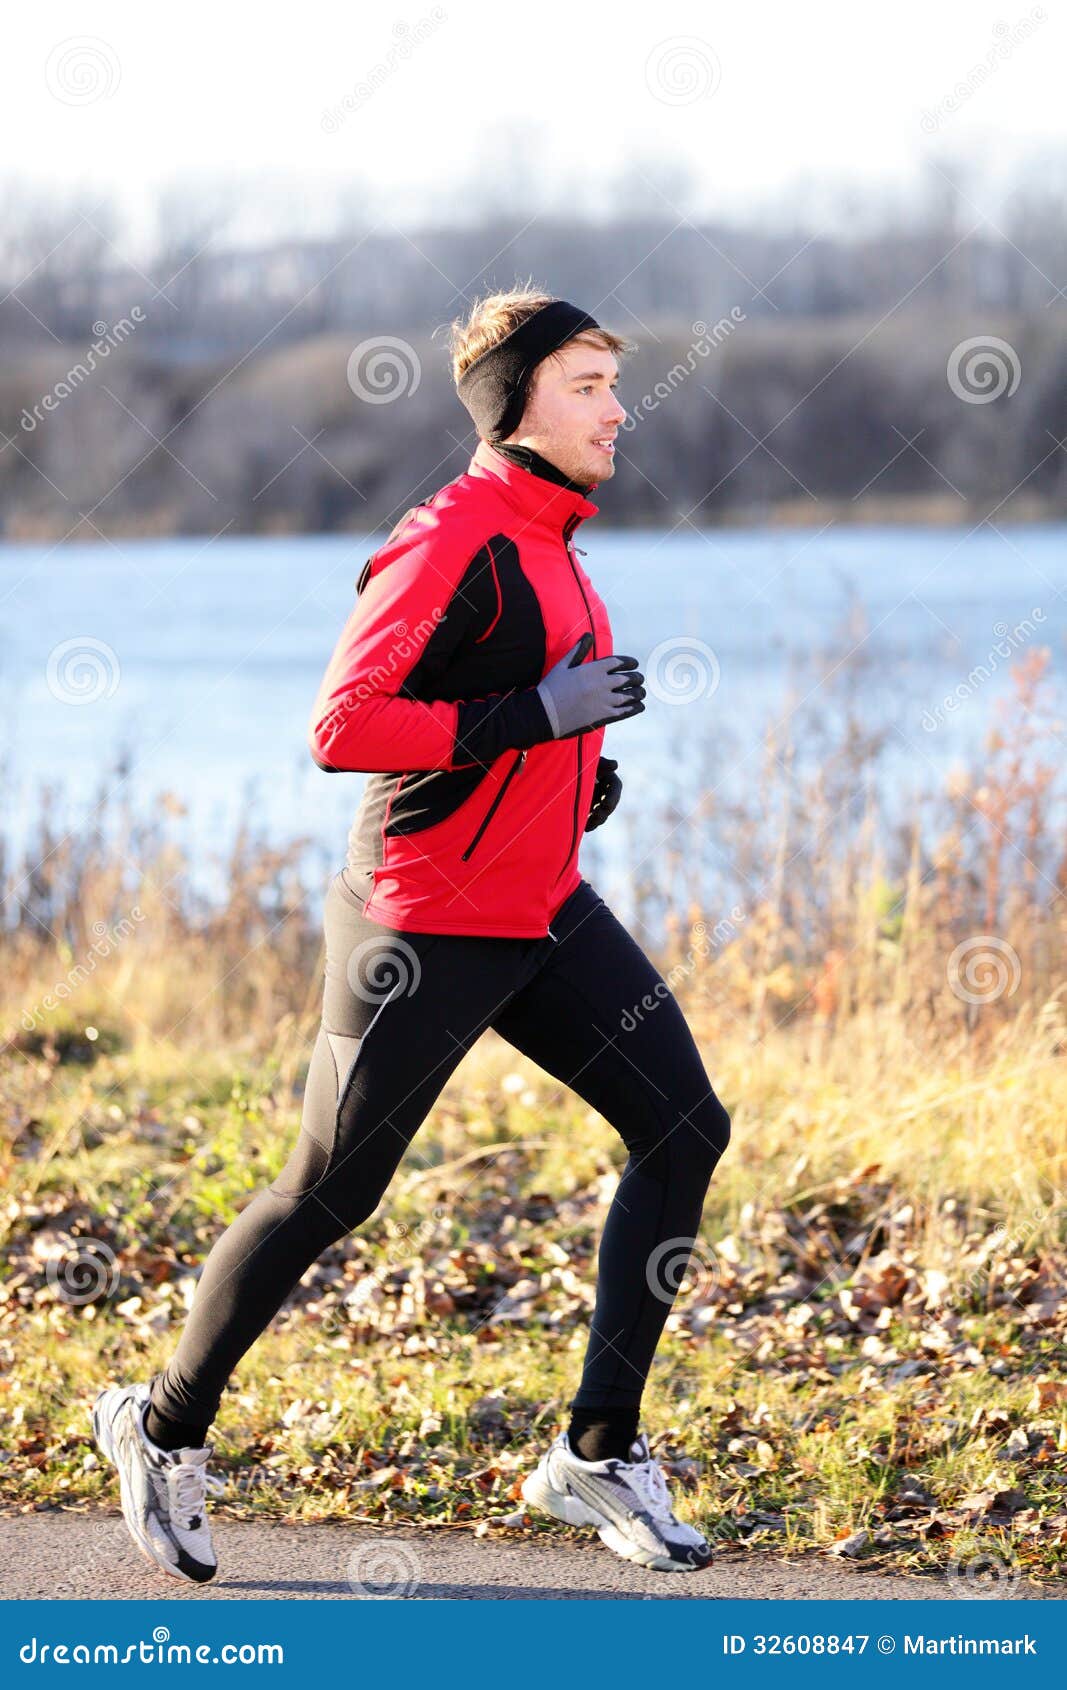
(568, 529)
(489, 814)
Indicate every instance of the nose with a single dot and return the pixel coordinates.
(616, 414)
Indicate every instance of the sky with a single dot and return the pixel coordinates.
(740, 110)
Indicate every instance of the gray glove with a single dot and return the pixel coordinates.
(578, 695)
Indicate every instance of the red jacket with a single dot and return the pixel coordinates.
(469, 822)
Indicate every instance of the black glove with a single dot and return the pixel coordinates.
(606, 792)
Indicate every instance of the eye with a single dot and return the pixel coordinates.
(588, 388)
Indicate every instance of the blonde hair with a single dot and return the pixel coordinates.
(497, 314)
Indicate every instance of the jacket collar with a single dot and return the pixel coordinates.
(540, 502)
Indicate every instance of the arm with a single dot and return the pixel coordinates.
(375, 708)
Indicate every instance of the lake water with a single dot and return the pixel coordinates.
(203, 659)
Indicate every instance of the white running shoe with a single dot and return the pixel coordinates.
(163, 1491)
(627, 1501)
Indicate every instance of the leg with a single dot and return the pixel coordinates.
(400, 1010)
(583, 1019)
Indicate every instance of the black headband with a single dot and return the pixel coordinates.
(494, 387)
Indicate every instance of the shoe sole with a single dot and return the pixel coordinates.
(537, 1491)
(101, 1433)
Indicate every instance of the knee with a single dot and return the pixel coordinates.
(333, 1205)
(705, 1136)
(343, 1209)
(687, 1146)
(720, 1128)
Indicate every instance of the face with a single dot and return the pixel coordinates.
(572, 415)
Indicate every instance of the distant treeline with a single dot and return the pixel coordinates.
(920, 370)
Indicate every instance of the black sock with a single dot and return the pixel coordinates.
(595, 1434)
(173, 1434)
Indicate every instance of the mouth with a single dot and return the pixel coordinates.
(607, 444)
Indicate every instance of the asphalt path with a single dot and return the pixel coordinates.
(61, 1554)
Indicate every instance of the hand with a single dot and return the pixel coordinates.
(578, 696)
(606, 793)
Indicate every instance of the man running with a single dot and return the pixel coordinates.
(472, 683)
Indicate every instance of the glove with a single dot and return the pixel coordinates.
(606, 793)
(578, 695)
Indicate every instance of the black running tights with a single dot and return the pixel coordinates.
(400, 1010)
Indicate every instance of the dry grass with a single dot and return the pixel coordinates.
(872, 1338)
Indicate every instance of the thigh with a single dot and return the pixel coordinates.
(400, 1011)
(599, 1016)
